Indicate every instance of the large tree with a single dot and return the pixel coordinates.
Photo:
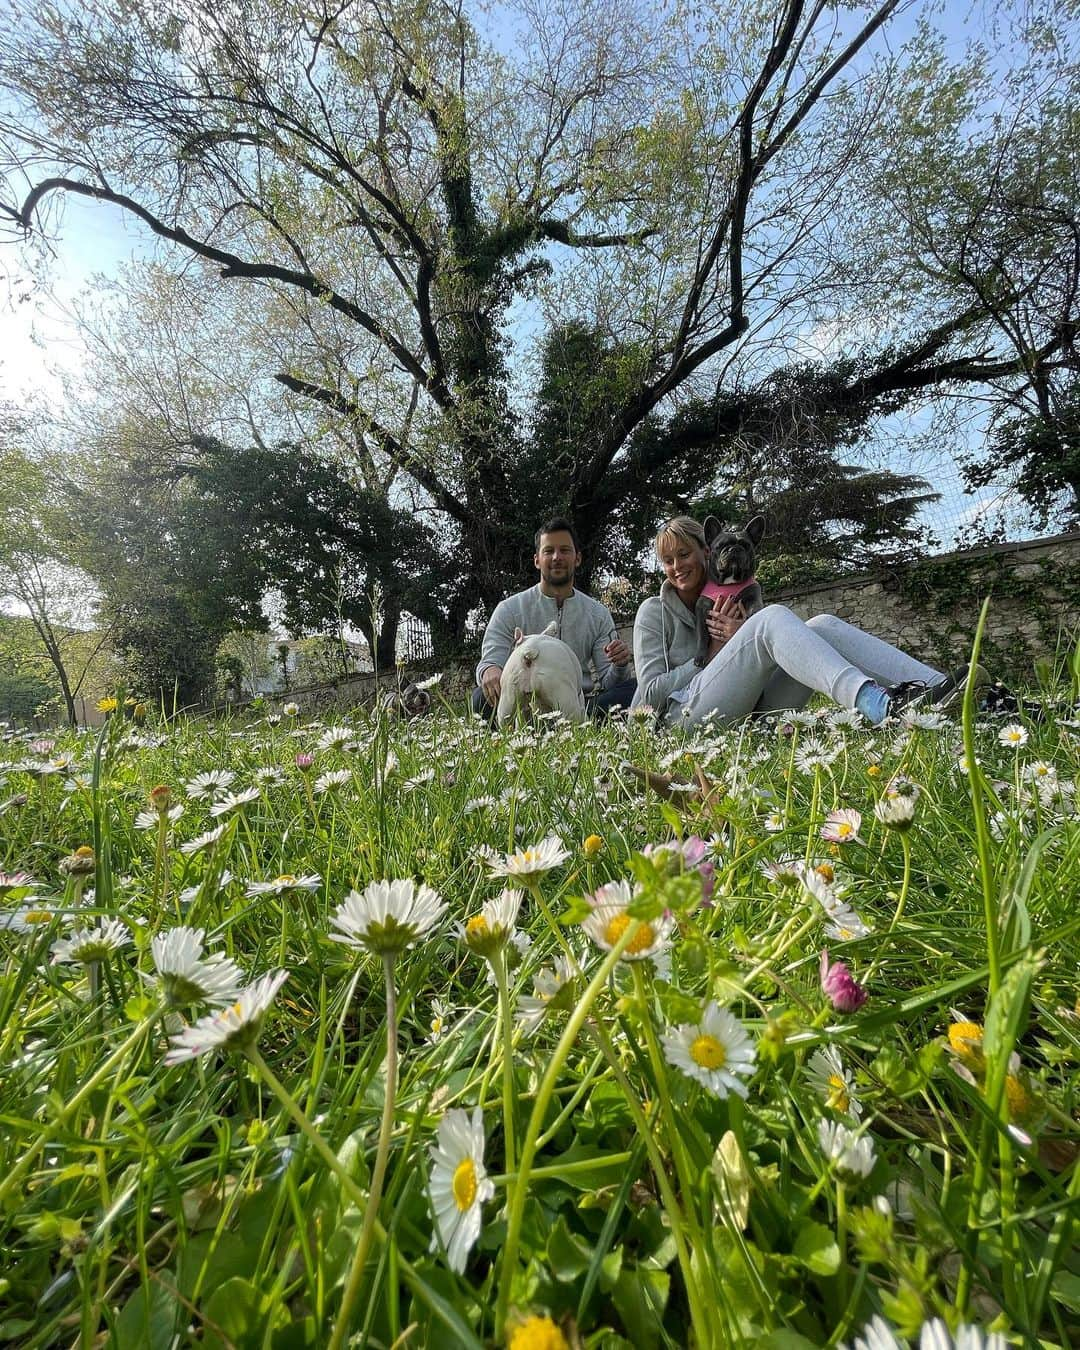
(429, 192)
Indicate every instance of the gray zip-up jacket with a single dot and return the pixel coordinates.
(584, 624)
(665, 644)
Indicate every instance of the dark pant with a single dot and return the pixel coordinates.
(596, 705)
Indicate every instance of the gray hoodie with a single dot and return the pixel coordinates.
(584, 624)
(665, 644)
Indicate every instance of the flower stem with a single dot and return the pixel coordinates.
(904, 885)
(560, 937)
(382, 1156)
(498, 965)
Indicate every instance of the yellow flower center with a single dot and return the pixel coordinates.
(642, 940)
(84, 851)
(965, 1040)
(838, 1094)
(37, 916)
(537, 1333)
(873, 770)
(592, 846)
(436, 1026)
(1041, 770)
(843, 829)
(708, 1052)
(286, 879)
(825, 872)
(1017, 1096)
(464, 1184)
(477, 926)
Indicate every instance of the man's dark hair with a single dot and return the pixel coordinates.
(553, 526)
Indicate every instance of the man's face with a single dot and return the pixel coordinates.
(557, 558)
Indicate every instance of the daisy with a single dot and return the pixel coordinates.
(91, 944)
(439, 1013)
(935, 1335)
(232, 801)
(16, 881)
(842, 923)
(334, 738)
(189, 977)
(233, 1028)
(334, 778)
(774, 822)
(840, 986)
(914, 720)
(280, 885)
(290, 709)
(548, 984)
(814, 754)
(1013, 736)
(149, 820)
(832, 1081)
(430, 682)
(849, 1153)
(534, 861)
(895, 810)
(609, 920)
(208, 784)
(480, 804)
(29, 918)
(411, 784)
(786, 871)
(268, 776)
(1039, 772)
(846, 717)
(388, 917)
(490, 930)
(842, 827)
(203, 840)
(717, 1051)
(459, 1185)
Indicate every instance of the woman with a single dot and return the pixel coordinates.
(767, 662)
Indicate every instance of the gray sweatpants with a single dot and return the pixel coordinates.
(777, 660)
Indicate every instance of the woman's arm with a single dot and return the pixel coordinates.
(651, 648)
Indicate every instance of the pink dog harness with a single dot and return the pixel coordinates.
(716, 590)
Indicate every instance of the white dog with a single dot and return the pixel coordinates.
(541, 674)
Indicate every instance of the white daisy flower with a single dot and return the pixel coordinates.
(333, 778)
(786, 871)
(280, 885)
(459, 1185)
(934, 1335)
(149, 820)
(914, 720)
(233, 1028)
(548, 984)
(28, 918)
(233, 801)
(895, 811)
(189, 977)
(208, 784)
(334, 738)
(430, 682)
(533, 861)
(388, 917)
(203, 840)
(10, 882)
(832, 1082)
(846, 717)
(91, 944)
(491, 929)
(439, 1012)
(480, 804)
(411, 784)
(847, 1151)
(609, 921)
(269, 776)
(842, 827)
(290, 709)
(814, 754)
(774, 822)
(1013, 736)
(717, 1051)
(1039, 772)
(842, 923)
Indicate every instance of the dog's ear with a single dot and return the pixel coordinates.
(519, 637)
(713, 528)
(754, 529)
(550, 630)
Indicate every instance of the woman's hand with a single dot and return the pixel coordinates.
(723, 621)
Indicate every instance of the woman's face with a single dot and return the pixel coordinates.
(684, 566)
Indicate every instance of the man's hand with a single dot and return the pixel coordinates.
(491, 683)
(617, 652)
(723, 621)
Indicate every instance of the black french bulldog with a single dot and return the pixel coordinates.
(730, 567)
(406, 700)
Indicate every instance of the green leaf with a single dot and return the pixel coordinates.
(148, 1318)
(1065, 1289)
(568, 1254)
(640, 1297)
(816, 1248)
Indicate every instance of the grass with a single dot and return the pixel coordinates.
(278, 1194)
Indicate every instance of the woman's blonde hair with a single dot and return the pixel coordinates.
(681, 530)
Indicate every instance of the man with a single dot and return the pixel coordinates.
(584, 624)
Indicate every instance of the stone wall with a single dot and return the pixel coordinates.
(931, 608)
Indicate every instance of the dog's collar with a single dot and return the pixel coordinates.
(722, 590)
